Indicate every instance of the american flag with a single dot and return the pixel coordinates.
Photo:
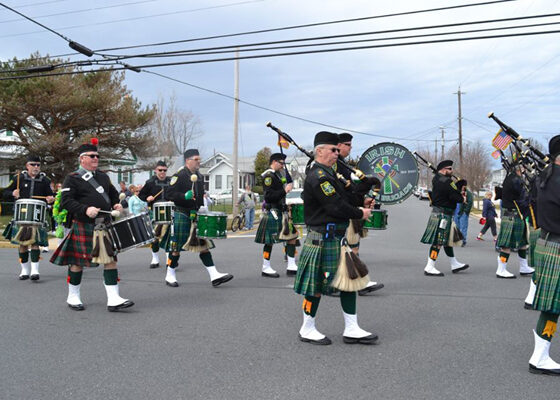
(496, 154)
(502, 140)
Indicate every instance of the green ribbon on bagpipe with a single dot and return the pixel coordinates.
(59, 215)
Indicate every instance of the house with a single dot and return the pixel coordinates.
(296, 166)
(218, 172)
(497, 177)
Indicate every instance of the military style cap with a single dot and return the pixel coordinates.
(33, 158)
(554, 146)
(324, 137)
(161, 163)
(84, 148)
(191, 153)
(444, 164)
(277, 157)
(344, 137)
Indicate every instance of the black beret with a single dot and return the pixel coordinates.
(277, 157)
(191, 153)
(444, 164)
(161, 163)
(344, 137)
(324, 137)
(33, 158)
(554, 146)
(84, 148)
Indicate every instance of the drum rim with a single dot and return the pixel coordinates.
(164, 204)
(142, 214)
(213, 213)
(136, 245)
(31, 201)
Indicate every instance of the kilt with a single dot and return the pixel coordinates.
(182, 228)
(433, 234)
(534, 234)
(41, 237)
(164, 240)
(317, 265)
(269, 228)
(76, 247)
(547, 276)
(513, 232)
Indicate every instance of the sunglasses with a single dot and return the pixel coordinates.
(335, 149)
(162, 170)
(92, 155)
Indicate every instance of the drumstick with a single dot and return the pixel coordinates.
(39, 197)
(17, 185)
(114, 213)
(158, 193)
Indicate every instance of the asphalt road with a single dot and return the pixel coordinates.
(463, 336)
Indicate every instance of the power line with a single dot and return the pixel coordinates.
(41, 3)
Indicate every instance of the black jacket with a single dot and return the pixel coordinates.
(29, 187)
(444, 192)
(180, 184)
(548, 201)
(274, 192)
(152, 187)
(325, 198)
(513, 190)
(78, 195)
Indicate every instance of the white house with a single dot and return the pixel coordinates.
(497, 177)
(296, 166)
(218, 172)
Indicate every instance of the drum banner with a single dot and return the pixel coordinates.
(396, 168)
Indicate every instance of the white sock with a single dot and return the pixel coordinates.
(25, 268)
(35, 268)
(292, 264)
(155, 258)
(170, 276)
(213, 272)
(266, 264)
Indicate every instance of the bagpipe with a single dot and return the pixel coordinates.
(458, 182)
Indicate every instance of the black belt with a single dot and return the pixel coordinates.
(550, 237)
(442, 210)
(322, 229)
(183, 210)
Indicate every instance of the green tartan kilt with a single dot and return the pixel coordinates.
(164, 241)
(433, 234)
(317, 265)
(534, 234)
(547, 276)
(182, 227)
(269, 228)
(41, 238)
(76, 247)
(513, 233)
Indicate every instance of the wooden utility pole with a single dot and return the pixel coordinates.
(442, 142)
(460, 120)
(235, 183)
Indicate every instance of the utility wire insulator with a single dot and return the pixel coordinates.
(80, 48)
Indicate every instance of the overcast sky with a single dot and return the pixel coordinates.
(405, 92)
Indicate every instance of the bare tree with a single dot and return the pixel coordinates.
(476, 168)
(175, 128)
(425, 173)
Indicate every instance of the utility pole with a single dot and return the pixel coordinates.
(442, 142)
(435, 151)
(460, 119)
(235, 188)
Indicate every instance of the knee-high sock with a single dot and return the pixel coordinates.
(155, 246)
(24, 257)
(449, 251)
(310, 305)
(546, 326)
(504, 257)
(173, 260)
(35, 253)
(522, 253)
(74, 278)
(290, 250)
(267, 250)
(111, 276)
(207, 259)
(434, 251)
(348, 302)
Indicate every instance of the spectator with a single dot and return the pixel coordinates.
(462, 212)
(135, 205)
(248, 201)
(125, 190)
(207, 203)
(489, 213)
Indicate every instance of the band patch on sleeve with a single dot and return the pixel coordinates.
(173, 180)
(327, 188)
(453, 185)
(268, 181)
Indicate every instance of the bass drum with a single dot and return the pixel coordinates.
(395, 166)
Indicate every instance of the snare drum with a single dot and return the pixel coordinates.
(131, 232)
(212, 225)
(297, 214)
(377, 220)
(162, 212)
(30, 212)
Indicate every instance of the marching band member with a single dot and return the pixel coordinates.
(154, 191)
(271, 225)
(344, 147)
(186, 190)
(445, 196)
(29, 184)
(547, 263)
(327, 212)
(89, 197)
(513, 229)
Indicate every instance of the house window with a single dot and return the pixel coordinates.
(218, 183)
(206, 182)
(229, 181)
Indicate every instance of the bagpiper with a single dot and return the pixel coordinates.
(547, 263)
(441, 230)
(34, 185)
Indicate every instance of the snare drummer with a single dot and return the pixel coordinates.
(154, 191)
(89, 197)
(186, 190)
(345, 146)
(30, 184)
(275, 189)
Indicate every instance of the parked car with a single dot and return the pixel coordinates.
(294, 194)
(225, 196)
(423, 194)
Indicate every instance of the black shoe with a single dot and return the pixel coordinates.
(267, 275)
(370, 289)
(126, 304)
(526, 273)
(223, 279)
(430, 274)
(291, 272)
(156, 265)
(542, 371)
(324, 342)
(23, 277)
(464, 267)
(463, 245)
(34, 277)
(172, 284)
(76, 307)
(528, 306)
(370, 339)
(506, 277)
